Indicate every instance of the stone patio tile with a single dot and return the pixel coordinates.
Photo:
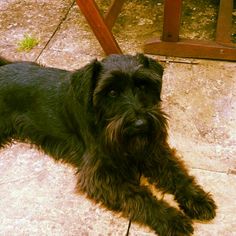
(201, 102)
(36, 18)
(38, 197)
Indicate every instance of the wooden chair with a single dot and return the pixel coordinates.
(170, 44)
(100, 25)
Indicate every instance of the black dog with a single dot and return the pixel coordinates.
(106, 120)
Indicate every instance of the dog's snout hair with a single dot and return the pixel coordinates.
(130, 127)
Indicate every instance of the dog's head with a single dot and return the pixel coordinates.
(125, 96)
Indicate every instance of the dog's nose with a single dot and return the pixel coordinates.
(140, 123)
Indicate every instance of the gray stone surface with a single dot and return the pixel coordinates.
(200, 100)
(38, 195)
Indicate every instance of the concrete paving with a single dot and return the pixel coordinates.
(37, 195)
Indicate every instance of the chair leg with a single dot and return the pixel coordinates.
(224, 22)
(96, 21)
(171, 45)
(172, 18)
(113, 12)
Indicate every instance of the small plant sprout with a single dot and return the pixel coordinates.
(27, 43)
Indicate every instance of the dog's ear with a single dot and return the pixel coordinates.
(156, 69)
(150, 63)
(80, 99)
(83, 82)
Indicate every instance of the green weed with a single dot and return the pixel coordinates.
(27, 43)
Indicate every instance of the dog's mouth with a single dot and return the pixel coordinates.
(132, 136)
(134, 131)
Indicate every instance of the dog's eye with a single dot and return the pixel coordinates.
(113, 93)
(141, 87)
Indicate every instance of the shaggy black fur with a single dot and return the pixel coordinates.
(106, 120)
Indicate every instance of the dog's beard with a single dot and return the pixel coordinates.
(117, 138)
(120, 138)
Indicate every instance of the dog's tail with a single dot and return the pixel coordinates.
(3, 61)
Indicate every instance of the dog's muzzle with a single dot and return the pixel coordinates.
(140, 124)
(137, 126)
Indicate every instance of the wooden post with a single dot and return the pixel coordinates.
(172, 18)
(224, 22)
(100, 29)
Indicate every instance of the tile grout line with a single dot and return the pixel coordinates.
(55, 31)
(228, 172)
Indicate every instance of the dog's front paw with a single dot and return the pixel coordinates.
(180, 225)
(176, 224)
(200, 206)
